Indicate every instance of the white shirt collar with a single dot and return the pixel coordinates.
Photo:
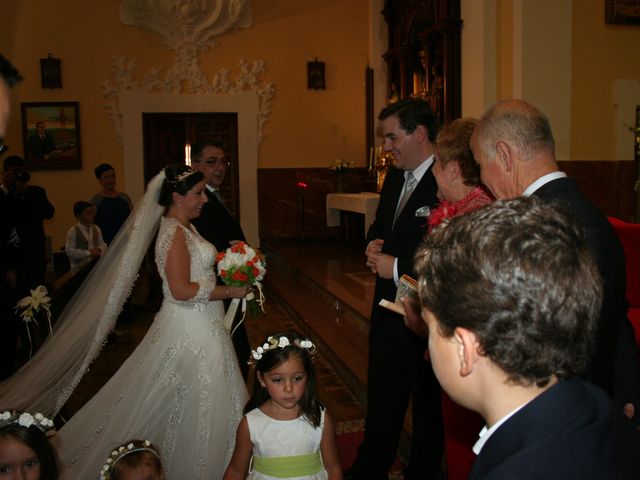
(421, 169)
(543, 180)
(486, 433)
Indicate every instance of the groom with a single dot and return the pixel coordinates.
(398, 371)
(218, 225)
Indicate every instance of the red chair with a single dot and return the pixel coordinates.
(629, 234)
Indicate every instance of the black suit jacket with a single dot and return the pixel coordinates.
(571, 431)
(401, 242)
(609, 255)
(39, 147)
(217, 225)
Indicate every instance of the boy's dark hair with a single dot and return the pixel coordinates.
(310, 406)
(175, 182)
(100, 169)
(80, 207)
(9, 73)
(36, 440)
(412, 112)
(520, 275)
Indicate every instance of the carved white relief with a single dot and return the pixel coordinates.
(188, 27)
(246, 80)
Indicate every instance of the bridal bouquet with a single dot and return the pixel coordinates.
(32, 305)
(241, 266)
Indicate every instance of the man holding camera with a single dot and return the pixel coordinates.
(29, 207)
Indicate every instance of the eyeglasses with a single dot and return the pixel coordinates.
(220, 162)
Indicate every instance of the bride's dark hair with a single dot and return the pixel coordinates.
(179, 178)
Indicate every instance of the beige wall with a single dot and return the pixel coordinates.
(602, 54)
(307, 128)
(560, 55)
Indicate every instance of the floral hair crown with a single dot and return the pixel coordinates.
(281, 342)
(26, 420)
(124, 450)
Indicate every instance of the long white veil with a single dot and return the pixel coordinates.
(46, 381)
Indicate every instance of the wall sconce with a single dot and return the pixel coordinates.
(315, 75)
(50, 72)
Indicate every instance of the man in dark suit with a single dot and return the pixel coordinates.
(30, 207)
(218, 225)
(41, 144)
(511, 296)
(397, 369)
(514, 146)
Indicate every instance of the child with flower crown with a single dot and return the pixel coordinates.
(25, 451)
(133, 460)
(286, 432)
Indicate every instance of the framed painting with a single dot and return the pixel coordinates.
(622, 11)
(51, 135)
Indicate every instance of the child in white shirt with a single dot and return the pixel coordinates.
(84, 240)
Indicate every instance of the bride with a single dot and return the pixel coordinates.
(181, 388)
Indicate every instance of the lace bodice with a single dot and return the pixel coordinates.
(201, 253)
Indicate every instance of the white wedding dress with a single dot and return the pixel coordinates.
(181, 388)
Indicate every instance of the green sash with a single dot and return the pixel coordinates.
(288, 467)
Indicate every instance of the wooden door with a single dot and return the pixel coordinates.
(165, 135)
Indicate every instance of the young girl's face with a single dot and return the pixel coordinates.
(140, 472)
(285, 383)
(17, 460)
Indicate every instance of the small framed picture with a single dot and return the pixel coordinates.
(622, 11)
(51, 135)
(50, 72)
(315, 75)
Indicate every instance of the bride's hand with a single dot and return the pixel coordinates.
(238, 292)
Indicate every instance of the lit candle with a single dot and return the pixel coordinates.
(187, 153)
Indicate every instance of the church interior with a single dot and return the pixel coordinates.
(294, 87)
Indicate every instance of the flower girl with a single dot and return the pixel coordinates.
(286, 432)
(25, 451)
(133, 460)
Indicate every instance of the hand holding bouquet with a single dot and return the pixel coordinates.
(241, 266)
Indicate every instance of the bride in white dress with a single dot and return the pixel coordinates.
(181, 388)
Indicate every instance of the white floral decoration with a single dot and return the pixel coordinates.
(122, 451)
(281, 342)
(26, 420)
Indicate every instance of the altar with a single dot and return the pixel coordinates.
(365, 203)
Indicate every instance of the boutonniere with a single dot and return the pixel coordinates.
(423, 211)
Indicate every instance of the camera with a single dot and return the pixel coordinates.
(23, 176)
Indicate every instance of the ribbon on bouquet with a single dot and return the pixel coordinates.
(236, 302)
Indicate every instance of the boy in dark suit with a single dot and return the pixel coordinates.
(511, 295)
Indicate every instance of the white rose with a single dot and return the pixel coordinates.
(25, 420)
(283, 342)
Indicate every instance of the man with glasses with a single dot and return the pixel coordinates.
(9, 77)
(217, 224)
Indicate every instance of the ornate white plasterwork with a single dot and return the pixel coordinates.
(247, 80)
(188, 27)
